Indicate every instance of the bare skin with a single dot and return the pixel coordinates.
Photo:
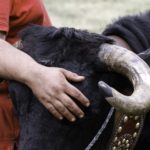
(49, 84)
(120, 42)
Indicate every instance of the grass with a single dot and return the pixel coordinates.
(93, 15)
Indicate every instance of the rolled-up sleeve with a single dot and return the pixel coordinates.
(5, 9)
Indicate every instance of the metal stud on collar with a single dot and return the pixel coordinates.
(126, 132)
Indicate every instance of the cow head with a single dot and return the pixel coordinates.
(108, 56)
(93, 56)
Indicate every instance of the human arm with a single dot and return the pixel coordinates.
(49, 84)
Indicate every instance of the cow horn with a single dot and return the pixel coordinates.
(123, 61)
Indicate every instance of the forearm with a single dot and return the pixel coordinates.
(15, 64)
(49, 84)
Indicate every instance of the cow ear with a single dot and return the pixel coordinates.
(145, 55)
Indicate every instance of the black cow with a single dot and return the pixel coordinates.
(75, 50)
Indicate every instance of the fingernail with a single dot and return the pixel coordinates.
(81, 116)
(87, 104)
(73, 119)
(81, 77)
(61, 118)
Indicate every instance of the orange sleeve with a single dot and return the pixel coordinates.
(5, 9)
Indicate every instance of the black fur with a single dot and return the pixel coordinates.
(75, 50)
(135, 30)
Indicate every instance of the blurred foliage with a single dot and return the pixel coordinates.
(93, 15)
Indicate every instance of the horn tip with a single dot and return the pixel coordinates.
(106, 89)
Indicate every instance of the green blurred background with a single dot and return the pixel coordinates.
(93, 15)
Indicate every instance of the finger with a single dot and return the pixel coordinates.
(53, 111)
(72, 76)
(71, 105)
(64, 111)
(75, 93)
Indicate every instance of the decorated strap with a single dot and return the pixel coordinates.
(126, 131)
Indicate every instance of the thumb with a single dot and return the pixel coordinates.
(72, 76)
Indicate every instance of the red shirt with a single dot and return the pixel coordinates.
(14, 16)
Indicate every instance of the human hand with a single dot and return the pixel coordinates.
(50, 85)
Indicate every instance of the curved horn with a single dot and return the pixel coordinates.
(123, 61)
